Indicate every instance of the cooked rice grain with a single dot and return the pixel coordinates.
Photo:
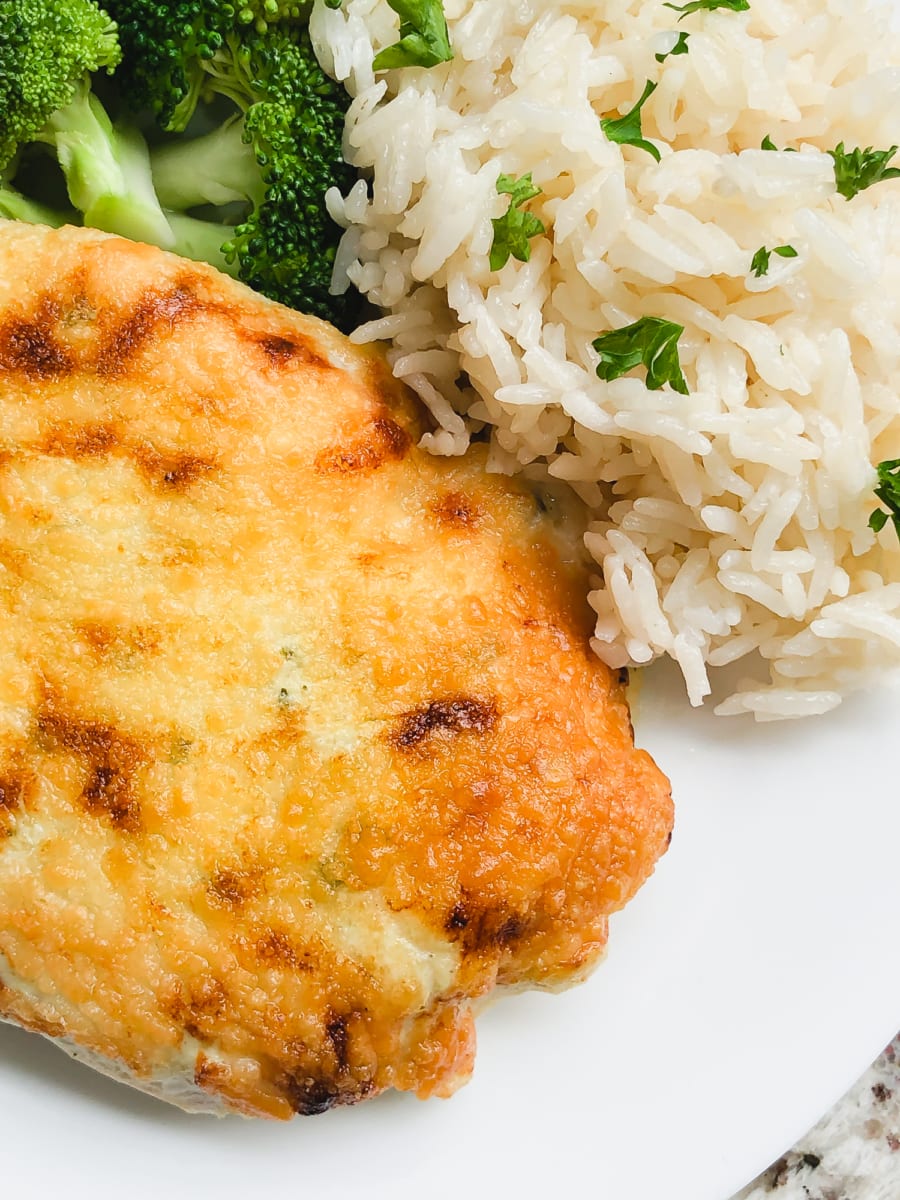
(730, 524)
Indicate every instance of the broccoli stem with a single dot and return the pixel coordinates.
(16, 207)
(216, 168)
(202, 241)
(107, 171)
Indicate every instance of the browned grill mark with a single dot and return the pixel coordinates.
(484, 927)
(28, 346)
(338, 1036)
(234, 886)
(109, 790)
(386, 441)
(457, 919)
(198, 1006)
(152, 312)
(456, 511)
(209, 1074)
(208, 998)
(82, 441)
(172, 470)
(12, 791)
(458, 714)
(111, 761)
(308, 1096)
(138, 641)
(274, 947)
(281, 352)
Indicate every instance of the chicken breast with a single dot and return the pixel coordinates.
(303, 750)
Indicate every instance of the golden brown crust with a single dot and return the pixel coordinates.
(302, 747)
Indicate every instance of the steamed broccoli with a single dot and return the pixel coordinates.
(279, 152)
(48, 53)
(16, 207)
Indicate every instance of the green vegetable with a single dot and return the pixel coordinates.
(855, 170)
(201, 241)
(759, 264)
(626, 130)
(217, 168)
(48, 55)
(276, 149)
(768, 144)
(651, 342)
(708, 6)
(46, 51)
(16, 207)
(263, 13)
(680, 47)
(513, 230)
(424, 38)
(888, 492)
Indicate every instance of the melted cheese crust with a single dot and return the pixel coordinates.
(302, 746)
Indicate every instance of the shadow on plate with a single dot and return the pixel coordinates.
(29, 1059)
(35, 1059)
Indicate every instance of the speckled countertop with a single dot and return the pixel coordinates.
(854, 1151)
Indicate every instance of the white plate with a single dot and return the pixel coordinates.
(747, 986)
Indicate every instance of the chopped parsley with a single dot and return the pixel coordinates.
(709, 5)
(680, 47)
(424, 38)
(626, 130)
(768, 144)
(759, 264)
(513, 230)
(651, 342)
(855, 170)
(888, 492)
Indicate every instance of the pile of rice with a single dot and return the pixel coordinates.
(730, 523)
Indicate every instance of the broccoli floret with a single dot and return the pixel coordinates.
(259, 56)
(49, 50)
(107, 170)
(46, 49)
(217, 168)
(201, 241)
(16, 207)
(262, 13)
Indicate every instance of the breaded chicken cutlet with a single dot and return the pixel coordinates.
(303, 749)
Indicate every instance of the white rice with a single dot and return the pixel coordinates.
(730, 524)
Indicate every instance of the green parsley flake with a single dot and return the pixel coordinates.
(680, 47)
(424, 38)
(768, 144)
(708, 6)
(855, 170)
(888, 492)
(626, 130)
(759, 264)
(651, 342)
(513, 230)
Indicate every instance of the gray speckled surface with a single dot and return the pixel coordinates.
(854, 1151)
